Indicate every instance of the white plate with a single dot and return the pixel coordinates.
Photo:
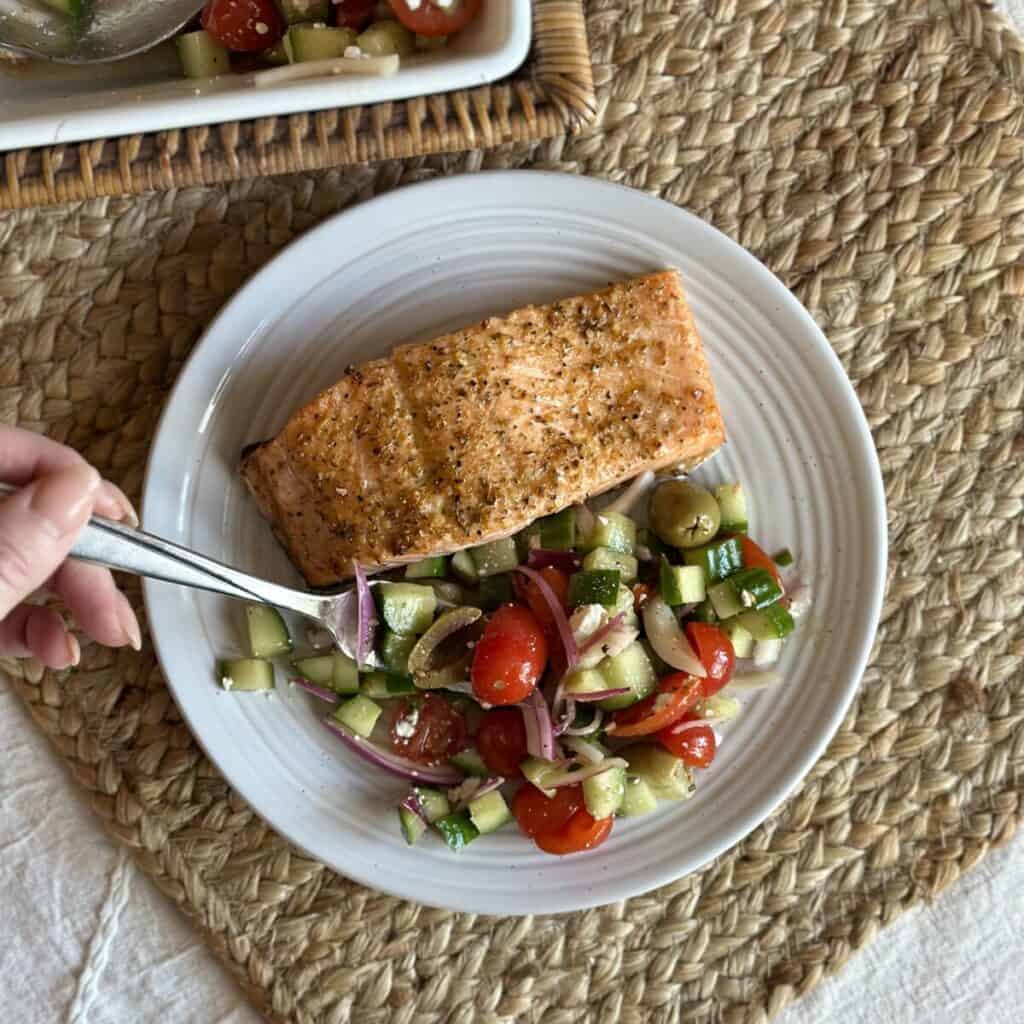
(44, 104)
(433, 257)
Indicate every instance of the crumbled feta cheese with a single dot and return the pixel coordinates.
(262, 28)
(406, 725)
(444, 4)
(226, 682)
(413, 5)
(352, 53)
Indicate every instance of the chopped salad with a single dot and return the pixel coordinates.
(570, 675)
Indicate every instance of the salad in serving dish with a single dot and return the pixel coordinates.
(574, 673)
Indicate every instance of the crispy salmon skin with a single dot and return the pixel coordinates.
(474, 435)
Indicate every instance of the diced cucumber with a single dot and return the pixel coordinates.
(705, 612)
(632, 668)
(742, 641)
(783, 557)
(247, 674)
(384, 685)
(718, 559)
(383, 38)
(433, 803)
(318, 668)
(470, 762)
(599, 586)
(558, 532)
(427, 568)
(495, 591)
(407, 608)
(431, 42)
(496, 557)
(296, 11)
(345, 676)
(464, 567)
(743, 590)
(647, 538)
(638, 798)
(412, 825)
(584, 680)
(773, 621)
(394, 650)
(318, 42)
(359, 713)
(537, 771)
(201, 56)
(489, 812)
(732, 503)
(456, 829)
(603, 794)
(766, 652)
(71, 8)
(720, 707)
(614, 531)
(604, 558)
(268, 634)
(668, 777)
(275, 55)
(681, 584)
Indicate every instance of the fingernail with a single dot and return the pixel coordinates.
(63, 500)
(129, 624)
(74, 650)
(128, 516)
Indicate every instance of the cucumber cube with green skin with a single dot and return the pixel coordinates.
(427, 568)
(614, 531)
(470, 762)
(394, 650)
(457, 829)
(558, 532)
(345, 675)
(433, 803)
(638, 798)
(246, 674)
(604, 558)
(718, 559)
(732, 504)
(584, 680)
(464, 567)
(629, 668)
(668, 776)
(783, 557)
(495, 557)
(740, 637)
(413, 827)
(603, 794)
(496, 591)
(359, 714)
(318, 668)
(681, 584)
(385, 685)
(489, 812)
(407, 607)
(744, 590)
(538, 771)
(318, 42)
(268, 634)
(705, 612)
(200, 55)
(598, 586)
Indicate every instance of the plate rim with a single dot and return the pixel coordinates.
(855, 419)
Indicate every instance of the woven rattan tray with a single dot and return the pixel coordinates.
(553, 92)
(872, 155)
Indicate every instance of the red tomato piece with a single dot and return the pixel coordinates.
(509, 657)
(675, 696)
(528, 592)
(715, 651)
(429, 19)
(694, 745)
(354, 14)
(428, 731)
(537, 813)
(755, 558)
(501, 740)
(581, 832)
(243, 25)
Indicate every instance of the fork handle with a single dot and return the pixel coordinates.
(116, 546)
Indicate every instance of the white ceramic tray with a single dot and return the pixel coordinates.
(45, 104)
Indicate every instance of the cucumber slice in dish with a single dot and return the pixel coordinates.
(496, 591)
(668, 777)
(603, 794)
(359, 714)
(742, 641)
(318, 42)
(394, 650)
(384, 685)
(268, 634)
(558, 532)
(598, 586)
(201, 56)
(681, 584)
(457, 829)
(718, 559)
(637, 798)
(464, 567)
(489, 812)
(614, 531)
(433, 802)
(413, 827)
(407, 608)
(335, 671)
(732, 503)
(246, 674)
(768, 623)
(496, 557)
(427, 568)
(629, 668)
(604, 558)
(470, 762)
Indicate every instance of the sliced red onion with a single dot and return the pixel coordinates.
(596, 695)
(432, 775)
(624, 503)
(412, 804)
(585, 750)
(744, 682)
(591, 727)
(472, 788)
(367, 616)
(585, 519)
(320, 692)
(599, 635)
(570, 778)
(558, 613)
(566, 718)
(540, 738)
(667, 638)
(542, 558)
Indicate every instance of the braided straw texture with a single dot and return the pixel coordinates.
(872, 154)
(551, 93)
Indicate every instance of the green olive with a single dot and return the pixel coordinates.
(683, 514)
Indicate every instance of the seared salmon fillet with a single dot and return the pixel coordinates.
(472, 436)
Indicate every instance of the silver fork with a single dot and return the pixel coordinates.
(111, 544)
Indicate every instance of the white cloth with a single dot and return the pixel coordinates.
(87, 939)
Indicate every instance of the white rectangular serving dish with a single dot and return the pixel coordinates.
(44, 104)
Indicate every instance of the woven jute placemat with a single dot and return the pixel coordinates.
(872, 154)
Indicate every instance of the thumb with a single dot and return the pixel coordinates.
(38, 525)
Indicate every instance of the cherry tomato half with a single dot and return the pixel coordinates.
(755, 558)
(354, 14)
(715, 651)
(435, 729)
(430, 19)
(694, 745)
(509, 657)
(580, 832)
(501, 740)
(537, 813)
(243, 25)
(676, 694)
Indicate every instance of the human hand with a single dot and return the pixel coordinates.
(58, 492)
